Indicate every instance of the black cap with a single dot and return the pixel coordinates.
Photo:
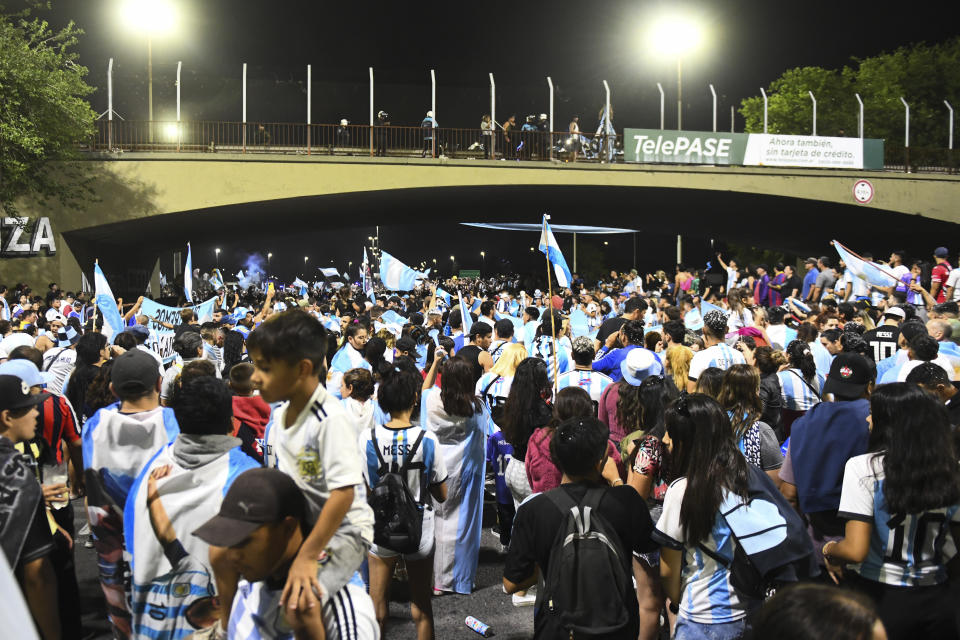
(15, 394)
(257, 497)
(850, 375)
(407, 345)
(135, 371)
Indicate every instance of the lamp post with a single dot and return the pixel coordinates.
(483, 261)
(269, 255)
(153, 17)
(217, 251)
(675, 36)
(452, 272)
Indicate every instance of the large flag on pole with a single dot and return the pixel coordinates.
(549, 246)
(395, 275)
(188, 276)
(112, 322)
(871, 272)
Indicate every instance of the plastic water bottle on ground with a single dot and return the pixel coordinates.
(479, 627)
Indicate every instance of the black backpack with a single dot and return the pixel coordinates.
(778, 549)
(586, 586)
(398, 517)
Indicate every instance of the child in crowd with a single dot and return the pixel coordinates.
(357, 390)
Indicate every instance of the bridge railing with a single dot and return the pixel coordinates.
(398, 141)
(328, 139)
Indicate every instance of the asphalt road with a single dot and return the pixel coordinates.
(488, 603)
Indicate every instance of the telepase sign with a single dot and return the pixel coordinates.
(751, 149)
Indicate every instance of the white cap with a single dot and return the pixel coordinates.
(344, 122)
(429, 114)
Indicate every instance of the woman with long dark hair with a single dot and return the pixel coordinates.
(768, 363)
(709, 469)
(902, 505)
(461, 424)
(740, 396)
(801, 387)
(648, 475)
(526, 411)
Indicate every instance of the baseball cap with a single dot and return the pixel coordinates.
(134, 372)
(941, 252)
(15, 393)
(25, 370)
(139, 331)
(850, 374)
(638, 365)
(895, 312)
(257, 497)
(810, 261)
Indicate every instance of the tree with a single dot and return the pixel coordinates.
(43, 112)
(924, 75)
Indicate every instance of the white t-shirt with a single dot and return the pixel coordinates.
(59, 362)
(360, 413)
(912, 553)
(941, 361)
(953, 280)
(394, 445)
(257, 615)
(720, 356)
(731, 278)
(707, 596)
(319, 451)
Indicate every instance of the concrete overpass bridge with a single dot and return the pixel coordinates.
(145, 203)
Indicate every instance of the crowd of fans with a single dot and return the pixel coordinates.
(753, 454)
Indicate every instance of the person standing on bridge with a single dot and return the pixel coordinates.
(486, 130)
(383, 121)
(428, 125)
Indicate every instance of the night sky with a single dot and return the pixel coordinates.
(749, 44)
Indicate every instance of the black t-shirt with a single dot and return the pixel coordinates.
(610, 326)
(791, 283)
(535, 528)
(39, 540)
(471, 353)
(184, 327)
(882, 341)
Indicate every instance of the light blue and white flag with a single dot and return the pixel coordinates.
(706, 307)
(188, 276)
(240, 275)
(107, 304)
(465, 315)
(870, 272)
(216, 279)
(443, 294)
(330, 273)
(692, 320)
(395, 275)
(550, 248)
(303, 286)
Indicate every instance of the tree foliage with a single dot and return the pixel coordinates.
(43, 111)
(925, 75)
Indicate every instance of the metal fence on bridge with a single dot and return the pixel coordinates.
(397, 141)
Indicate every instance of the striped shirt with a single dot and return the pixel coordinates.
(394, 445)
(707, 596)
(256, 614)
(593, 382)
(795, 391)
(905, 551)
(719, 355)
(542, 347)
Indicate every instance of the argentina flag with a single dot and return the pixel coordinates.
(550, 248)
(107, 304)
(443, 294)
(395, 275)
(216, 279)
(870, 272)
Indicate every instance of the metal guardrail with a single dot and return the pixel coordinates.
(401, 141)
(328, 139)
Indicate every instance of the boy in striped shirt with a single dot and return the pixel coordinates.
(717, 353)
(583, 375)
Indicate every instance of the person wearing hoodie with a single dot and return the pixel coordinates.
(117, 442)
(182, 487)
(250, 413)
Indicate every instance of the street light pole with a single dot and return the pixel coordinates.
(679, 93)
(150, 85)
